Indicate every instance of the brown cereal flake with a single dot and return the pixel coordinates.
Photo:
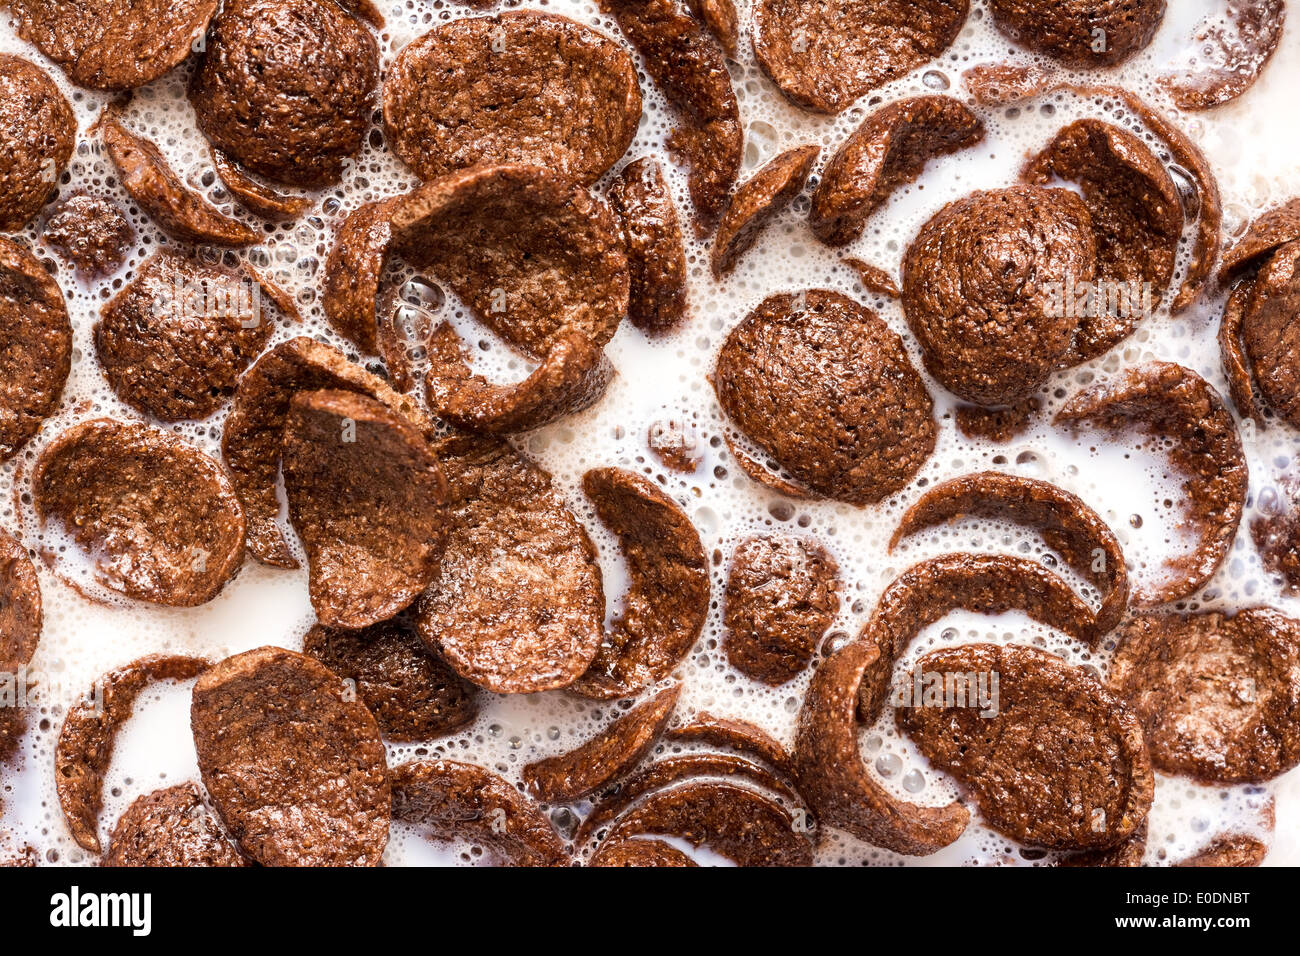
(839, 788)
(286, 88)
(782, 596)
(38, 131)
(35, 347)
(460, 801)
(1171, 405)
(413, 694)
(516, 605)
(85, 744)
(889, 149)
(827, 389)
(170, 828)
(366, 496)
(825, 54)
(153, 184)
(114, 44)
(656, 258)
(520, 87)
(1218, 697)
(604, 758)
(983, 284)
(293, 764)
(175, 340)
(160, 518)
(667, 600)
(1061, 765)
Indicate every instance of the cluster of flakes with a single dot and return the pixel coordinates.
(725, 505)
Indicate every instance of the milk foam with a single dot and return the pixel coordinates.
(1251, 145)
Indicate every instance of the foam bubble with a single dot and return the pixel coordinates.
(662, 379)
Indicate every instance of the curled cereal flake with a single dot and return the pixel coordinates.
(671, 771)
(175, 340)
(251, 436)
(1230, 52)
(1231, 849)
(171, 827)
(1260, 335)
(1277, 531)
(35, 347)
(757, 201)
(293, 763)
(983, 289)
(91, 234)
(413, 694)
(875, 279)
(1061, 764)
(572, 377)
(38, 131)
(178, 210)
(767, 475)
(516, 605)
(1080, 33)
(85, 745)
(687, 64)
(746, 826)
(1267, 234)
(460, 801)
(640, 852)
(159, 517)
(114, 44)
(1176, 408)
(889, 150)
(353, 273)
(606, 757)
(825, 54)
(656, 258)
(1197, 186)
(534, 256)
(839, 788)
(989, 583)
(1219, 697)
(259, 199)
(782, 596)
(366, 495)
(1232, 352)
(520, 87)
(723, 21)
(1137, 220)
(21, 613)
(286, 88)
(531, 254)
(1067, 525)
(738, 735)
(827, 389)
(667, 600)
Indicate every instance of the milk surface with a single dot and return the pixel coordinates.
(1252, 145)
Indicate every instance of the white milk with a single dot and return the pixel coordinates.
(1252, 144)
